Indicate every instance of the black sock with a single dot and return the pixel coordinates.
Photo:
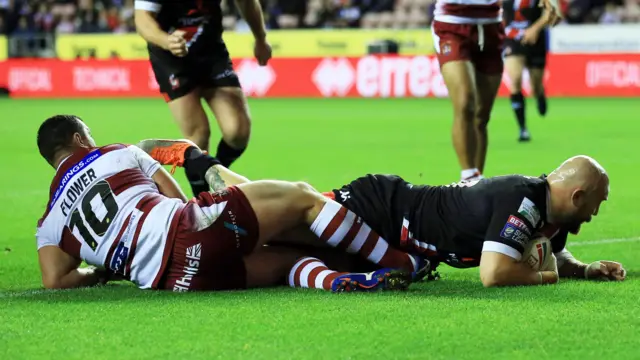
(542, 104)
(196, 164)
(518, 106)
(226, 154)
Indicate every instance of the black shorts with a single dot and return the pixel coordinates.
(382, 201)
(179, 76)
(535, 55)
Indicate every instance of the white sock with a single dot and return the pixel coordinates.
(468, 173)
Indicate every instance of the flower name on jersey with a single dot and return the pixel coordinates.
(516, 230)
(529, 211)
(78, 186)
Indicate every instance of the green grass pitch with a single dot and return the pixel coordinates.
(327, 143)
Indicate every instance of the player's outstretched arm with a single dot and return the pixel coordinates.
(60, 270)
(497, 269)
(570, 267)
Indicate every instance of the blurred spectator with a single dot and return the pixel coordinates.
(612, 14)
(23, 30)
(88, 23)
(66, 25)
(43, 19)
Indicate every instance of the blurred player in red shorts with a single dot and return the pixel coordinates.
(468, 36)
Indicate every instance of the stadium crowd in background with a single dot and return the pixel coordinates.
(26, 17)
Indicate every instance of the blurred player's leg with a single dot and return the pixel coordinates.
(229, 106)
(188, 112)
(536, 63)
(454, 48)
(487, 89)
(515, 65)
(536, 76)
(489, 68)
(460, 81)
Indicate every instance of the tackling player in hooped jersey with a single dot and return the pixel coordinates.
(117, 209)
(487, 223)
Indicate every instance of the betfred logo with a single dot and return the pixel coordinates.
(108, 78)
(255, 79)
(333, 77)
(192, 264)
(32, 79)
(519, 224)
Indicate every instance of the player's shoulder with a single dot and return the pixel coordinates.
(113, 147)
(518, 184)
(524, 195)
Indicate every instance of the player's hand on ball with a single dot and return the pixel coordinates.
(262, 52)
(177, 43)
(605, 270)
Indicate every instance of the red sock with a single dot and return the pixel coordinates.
(311, 273)
(341, 228)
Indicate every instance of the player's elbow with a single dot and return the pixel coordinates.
(491, 279)
(495, 270)
(51, 283)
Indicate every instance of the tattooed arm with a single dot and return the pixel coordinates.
(219, 177)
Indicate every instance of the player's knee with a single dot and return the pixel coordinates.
(238, 133)
(481, 119)
(516, 85)
(304, 188)
(199, 134)
(465, 105)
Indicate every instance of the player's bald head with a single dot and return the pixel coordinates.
(580, 172)
(57, 134)
(578, 187)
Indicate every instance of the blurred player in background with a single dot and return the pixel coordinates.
(191, 62)
(525, 47)
(117, 209)
(468, 36)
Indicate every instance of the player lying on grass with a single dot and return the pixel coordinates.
(488, 223)
(117, 209)
(484, 223)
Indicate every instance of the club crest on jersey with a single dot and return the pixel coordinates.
(446, 48)
(511, 232)
(530, 212)
(174, 82)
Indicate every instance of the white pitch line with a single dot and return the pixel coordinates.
(603, 241)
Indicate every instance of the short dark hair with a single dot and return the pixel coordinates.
(56, 133)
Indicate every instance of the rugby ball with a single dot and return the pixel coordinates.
(539, 255)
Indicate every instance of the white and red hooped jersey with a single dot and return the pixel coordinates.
(105, 209)
(468, 11)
